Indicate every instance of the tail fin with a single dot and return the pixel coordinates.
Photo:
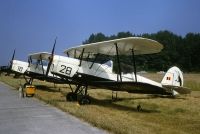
(173, 77)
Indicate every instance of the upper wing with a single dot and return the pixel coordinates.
(125, 45)
(40, 55)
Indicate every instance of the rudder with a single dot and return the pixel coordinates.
(173, 77)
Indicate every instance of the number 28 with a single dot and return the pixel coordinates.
(65, 70)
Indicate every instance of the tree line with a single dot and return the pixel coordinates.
(183, 52)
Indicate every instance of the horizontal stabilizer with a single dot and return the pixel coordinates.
(180, 90)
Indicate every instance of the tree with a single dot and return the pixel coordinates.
(183, 52)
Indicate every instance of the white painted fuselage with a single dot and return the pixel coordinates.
(69, 67)
(19, 66)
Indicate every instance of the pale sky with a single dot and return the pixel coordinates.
(31, 26)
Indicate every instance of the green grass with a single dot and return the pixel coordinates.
(159, 115)
(191, 81)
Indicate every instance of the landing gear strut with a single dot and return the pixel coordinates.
(80, 95)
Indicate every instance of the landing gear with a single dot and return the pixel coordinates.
(114, 95)
(71, 96)
(80, 95)
(139, 108)
(84, 100)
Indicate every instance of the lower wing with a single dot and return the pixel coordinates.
(139, 87)
(179, 89)
(132, 87)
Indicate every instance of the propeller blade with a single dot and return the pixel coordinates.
(51, 58)
(52, 52)
(13, 56)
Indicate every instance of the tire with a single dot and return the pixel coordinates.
(32, 95)
(85, 100)
(71, 97)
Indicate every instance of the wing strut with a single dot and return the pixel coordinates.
(133, 58)
(29, 61)
(67, 54)
(75, 53)
(119, 67)
(94, 60)
(11, 62)
(42, 64)
(81, 57)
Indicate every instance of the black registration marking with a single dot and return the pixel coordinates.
(20, 69)
(65, 70)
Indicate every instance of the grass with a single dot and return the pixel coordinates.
(191, 81)
(159, 115)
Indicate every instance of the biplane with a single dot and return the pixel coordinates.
(37, 67)
(15, 67)
(80, 67)
(7, 68)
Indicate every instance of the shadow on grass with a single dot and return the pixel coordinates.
(149, 97)
(154, 96)
(149, 109)
(166, 96)
(110, 104)
(46, 88)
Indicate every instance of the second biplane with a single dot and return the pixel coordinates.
(37, 67)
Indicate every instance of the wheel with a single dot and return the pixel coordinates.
(84, 100)
(31, 95)
(71, 96)
(26, 84)
(139, 108)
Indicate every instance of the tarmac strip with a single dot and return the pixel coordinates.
(31, 116)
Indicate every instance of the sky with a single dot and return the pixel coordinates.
(31, 26)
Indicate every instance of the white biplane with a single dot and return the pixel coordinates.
(15, 67)
(81, 68)
(37, 67)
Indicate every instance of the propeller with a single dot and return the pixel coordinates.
(9, 67)
(51, 58)
(11, 62)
